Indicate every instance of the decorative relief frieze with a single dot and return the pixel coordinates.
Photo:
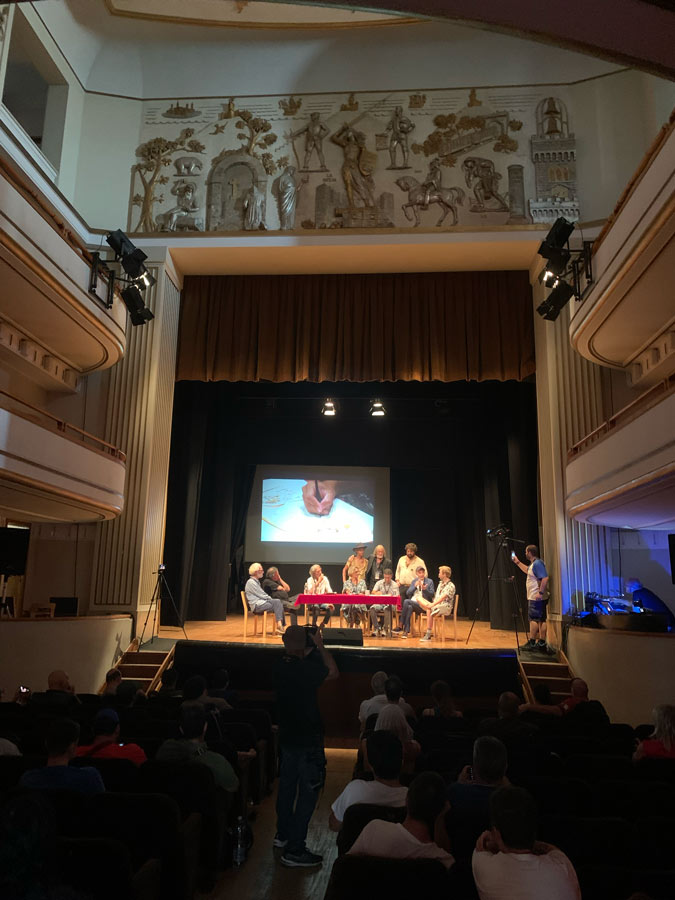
(401, 160)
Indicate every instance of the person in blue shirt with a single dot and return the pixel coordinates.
(61, 740)
(536, 587)
(421, 588)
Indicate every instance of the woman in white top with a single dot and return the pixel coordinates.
(443, 603)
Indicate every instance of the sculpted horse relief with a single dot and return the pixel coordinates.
(420, 197)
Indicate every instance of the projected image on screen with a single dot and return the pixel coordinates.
(317, 510)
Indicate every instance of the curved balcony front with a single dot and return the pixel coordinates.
(51, 471)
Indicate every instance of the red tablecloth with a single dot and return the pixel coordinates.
(350, 599)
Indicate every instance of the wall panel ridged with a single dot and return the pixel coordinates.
(569, 406)
(138, 419)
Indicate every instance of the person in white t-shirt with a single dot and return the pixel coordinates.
(385, 758)
(510, 864)
(422, 834)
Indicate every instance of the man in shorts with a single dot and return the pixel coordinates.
(537, 596)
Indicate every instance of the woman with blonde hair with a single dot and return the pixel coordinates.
(443, 603)
(661, 742)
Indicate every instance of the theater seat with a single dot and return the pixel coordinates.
(363, 877)
(357, 817)
(587, 841)
(558, 795)
(101, 869)
(117, 774)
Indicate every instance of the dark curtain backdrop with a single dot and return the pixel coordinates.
(443, 326)
(462, 458)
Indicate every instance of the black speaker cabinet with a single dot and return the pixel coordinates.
(343, 637)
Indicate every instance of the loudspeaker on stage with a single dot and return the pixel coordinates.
(352, 637)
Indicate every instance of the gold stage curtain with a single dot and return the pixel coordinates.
(444, 326)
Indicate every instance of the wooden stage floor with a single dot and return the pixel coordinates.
(232, 631)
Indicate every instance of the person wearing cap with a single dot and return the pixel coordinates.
(303, 668)
(106, 743)
(357, 562)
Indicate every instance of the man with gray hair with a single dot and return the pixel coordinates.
(259, 602)
(318, 583)
(375, 704)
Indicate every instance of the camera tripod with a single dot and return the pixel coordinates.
(155, 601)
(516, 607)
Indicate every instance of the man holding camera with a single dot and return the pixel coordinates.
(303, 668)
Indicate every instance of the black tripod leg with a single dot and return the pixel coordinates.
(153, 602)
(173, 604)
(485, 590)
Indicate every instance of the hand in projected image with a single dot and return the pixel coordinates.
(318, 496)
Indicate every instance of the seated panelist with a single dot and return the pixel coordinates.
(318, 584)
(381, 614)
(419, 597)
(352, 612)
(275, 586)
(260, 602)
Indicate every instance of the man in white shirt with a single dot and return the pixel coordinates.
(510, 864)
(385, 758)
(422, 835)
(318, 583)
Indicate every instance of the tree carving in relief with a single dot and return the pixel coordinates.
(154, 156)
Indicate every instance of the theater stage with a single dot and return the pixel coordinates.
(477, 674)
(232, 631)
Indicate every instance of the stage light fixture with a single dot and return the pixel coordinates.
(377, 408)
(133, 300)
(556, 238)
(553, 305)
(131, 258)
(328, 408)
(555, 266)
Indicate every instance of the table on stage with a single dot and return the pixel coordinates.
(338, 600)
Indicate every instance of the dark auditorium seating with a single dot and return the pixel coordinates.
(596, 767)
(633, 799)
(117, 774)
(361, 877)
(587, 841)
(357, 817)
(101, 870)
(558, 795)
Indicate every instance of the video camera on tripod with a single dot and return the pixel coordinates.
(498, 532)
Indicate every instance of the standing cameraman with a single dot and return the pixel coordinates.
(303, 668)
(537, 596)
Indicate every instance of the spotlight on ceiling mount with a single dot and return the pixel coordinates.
(131, 258)
(328, 408)
(557, 237)
(561, 263)
(377, 408)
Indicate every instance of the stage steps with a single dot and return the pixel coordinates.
(556, 675)
(143, 666)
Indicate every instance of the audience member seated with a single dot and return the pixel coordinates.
(113, 679)
(195, 691)
(259, 602)
(354, 612)
(583, 710)
(8, 748)
(444, 705)
(384, 758)
(192, 747)
(393, 718)
(169, 687)
(106, 743)
(375, 704)
(422, 834)
(61, 740)
(471, 792)
(219, 686)
(661, 742)
(59, 697)
(510, 864)
(508, 726)
(129, 694)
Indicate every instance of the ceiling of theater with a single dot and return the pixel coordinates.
(245, 14)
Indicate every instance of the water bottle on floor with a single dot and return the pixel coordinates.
(239, 848)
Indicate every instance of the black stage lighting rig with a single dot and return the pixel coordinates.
(563, 262)
(132, 261)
